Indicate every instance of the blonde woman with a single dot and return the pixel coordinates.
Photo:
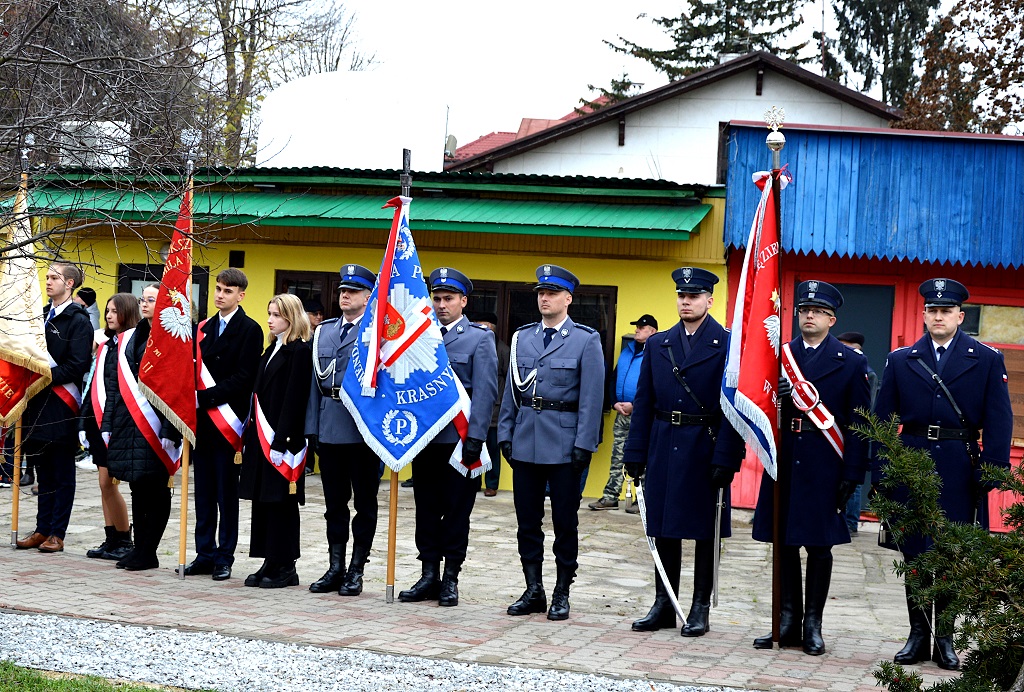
(273, 459)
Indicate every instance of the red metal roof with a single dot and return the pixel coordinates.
(482, 144)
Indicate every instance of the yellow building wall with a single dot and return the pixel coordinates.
(644, 283)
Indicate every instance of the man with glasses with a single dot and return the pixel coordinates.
(821, 461)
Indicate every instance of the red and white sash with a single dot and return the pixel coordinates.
(140, 408)
(806, 398)
(70, 394)
(222, 416)
(293, 465)
(97, 392)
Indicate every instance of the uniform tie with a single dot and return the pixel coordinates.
(444, 330)
(938, 353)
(346, 329)
(223, 324)
(549, 334)
(51, 314)
(808, 350)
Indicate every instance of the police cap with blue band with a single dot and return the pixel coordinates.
(818, 294)
(943, 293)
(694, 280)
(448, 279)
(357, 277)
(555, 278)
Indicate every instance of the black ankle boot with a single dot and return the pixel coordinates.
(559, 609)
(662, 615)
(697, 624)
(427, 588)
(103, 547)
(916, 648)
(819, 577)
(335, 571)
(792, 607)
(256, 577)
(943, 652)
(449, 595)
(121, 545)
(283, 576)
(533, 600)
(352, 584)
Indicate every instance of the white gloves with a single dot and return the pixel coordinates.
(276, 457)
(83, 440)
(168, 445)
(106, 438)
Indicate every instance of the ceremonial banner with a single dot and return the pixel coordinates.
(751, 379)
(24, 361)
(166, 374)
(399, 385)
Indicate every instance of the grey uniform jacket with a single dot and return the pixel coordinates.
(327, 419)
(570, 369)
(474, 359)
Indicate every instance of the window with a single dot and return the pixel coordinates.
(322, 286)
(132, 278)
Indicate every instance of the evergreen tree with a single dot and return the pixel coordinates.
(706, 30)
(880, 40)
(982, 574)
(619, 90)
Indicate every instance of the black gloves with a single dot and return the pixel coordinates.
(580, 459)
(471, 449)
(785, 387)
(634, 469)
(506, 449)
(721, 477)
(846, 490)
(311, 442)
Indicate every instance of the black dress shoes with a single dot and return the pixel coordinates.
(221, 572)
(196, 567)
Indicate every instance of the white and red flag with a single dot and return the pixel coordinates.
(751, 380)
(166, 374)
(24, 361)
(400, 387)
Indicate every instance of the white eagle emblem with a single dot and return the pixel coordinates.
(812, 286)
(547, 270)
(687, 274)
(351, 270)
(772, 325)
(940, 284)
(176, 318)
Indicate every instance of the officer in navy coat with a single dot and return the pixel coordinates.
(348, 468)
(815, 480)
(444, 496)
(548, 428)
(975, 376)
(684, 448)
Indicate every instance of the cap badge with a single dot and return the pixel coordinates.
(443, 271)
(547, 270)
(940, 284)
(687, 274)
(351, 269)
(812, 286)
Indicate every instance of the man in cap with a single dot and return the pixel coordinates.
(548, 429)
(314, 311)
(820, 462)
(946, 389)
(445, 496)
(348, 468)
(683, 448)
(627, 372)
(855, 340)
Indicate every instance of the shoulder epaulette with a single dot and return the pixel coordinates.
(527, 326)
(900, 348)
(332, 320)
(991, 347)
(589, 330)
(479, 326)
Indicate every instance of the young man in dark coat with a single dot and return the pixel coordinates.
(683, 447)
(947, 422)
(51, 419)
(228, 348)
(821, 461)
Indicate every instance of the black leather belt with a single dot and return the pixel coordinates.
(334, 393)
(935, 432)
(680, 418)
(540, 404)
(801, 424)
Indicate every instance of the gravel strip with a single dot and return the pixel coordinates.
(208, 660)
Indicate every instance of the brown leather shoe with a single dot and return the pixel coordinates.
(33, 541)
(52, 545)
(490, 492)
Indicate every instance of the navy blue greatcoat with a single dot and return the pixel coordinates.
(679, 497)
(976, 377)
(807, 459)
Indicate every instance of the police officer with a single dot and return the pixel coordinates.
(946, 388)
(821, 461)
(548, 430)
(348, 468)
(687, 449)
(444, 496)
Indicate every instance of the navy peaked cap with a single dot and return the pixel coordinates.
(818, 293)
(357, 277)
(556, 278)
(694, 280)
(448, 279)
(943, 292)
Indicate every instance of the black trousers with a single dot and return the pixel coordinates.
(492, 477)
(55, 472)
(216, 492)
(350, 472)
(444, 501)
(275, 530)
(528, 483)
(151, 508)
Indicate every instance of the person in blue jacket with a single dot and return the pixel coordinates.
(946, 422)
(819, 464)
(683, 448)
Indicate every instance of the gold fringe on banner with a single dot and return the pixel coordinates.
(238, 457)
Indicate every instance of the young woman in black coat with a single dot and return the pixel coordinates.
(131, 457)
(273, 457)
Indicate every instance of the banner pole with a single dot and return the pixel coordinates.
(392, 537)
(183, 520)
(16, 487)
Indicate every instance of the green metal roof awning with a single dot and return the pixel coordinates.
(525, 217)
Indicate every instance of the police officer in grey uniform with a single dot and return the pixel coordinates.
(445, 497)
(548, 429)
(347, 465)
